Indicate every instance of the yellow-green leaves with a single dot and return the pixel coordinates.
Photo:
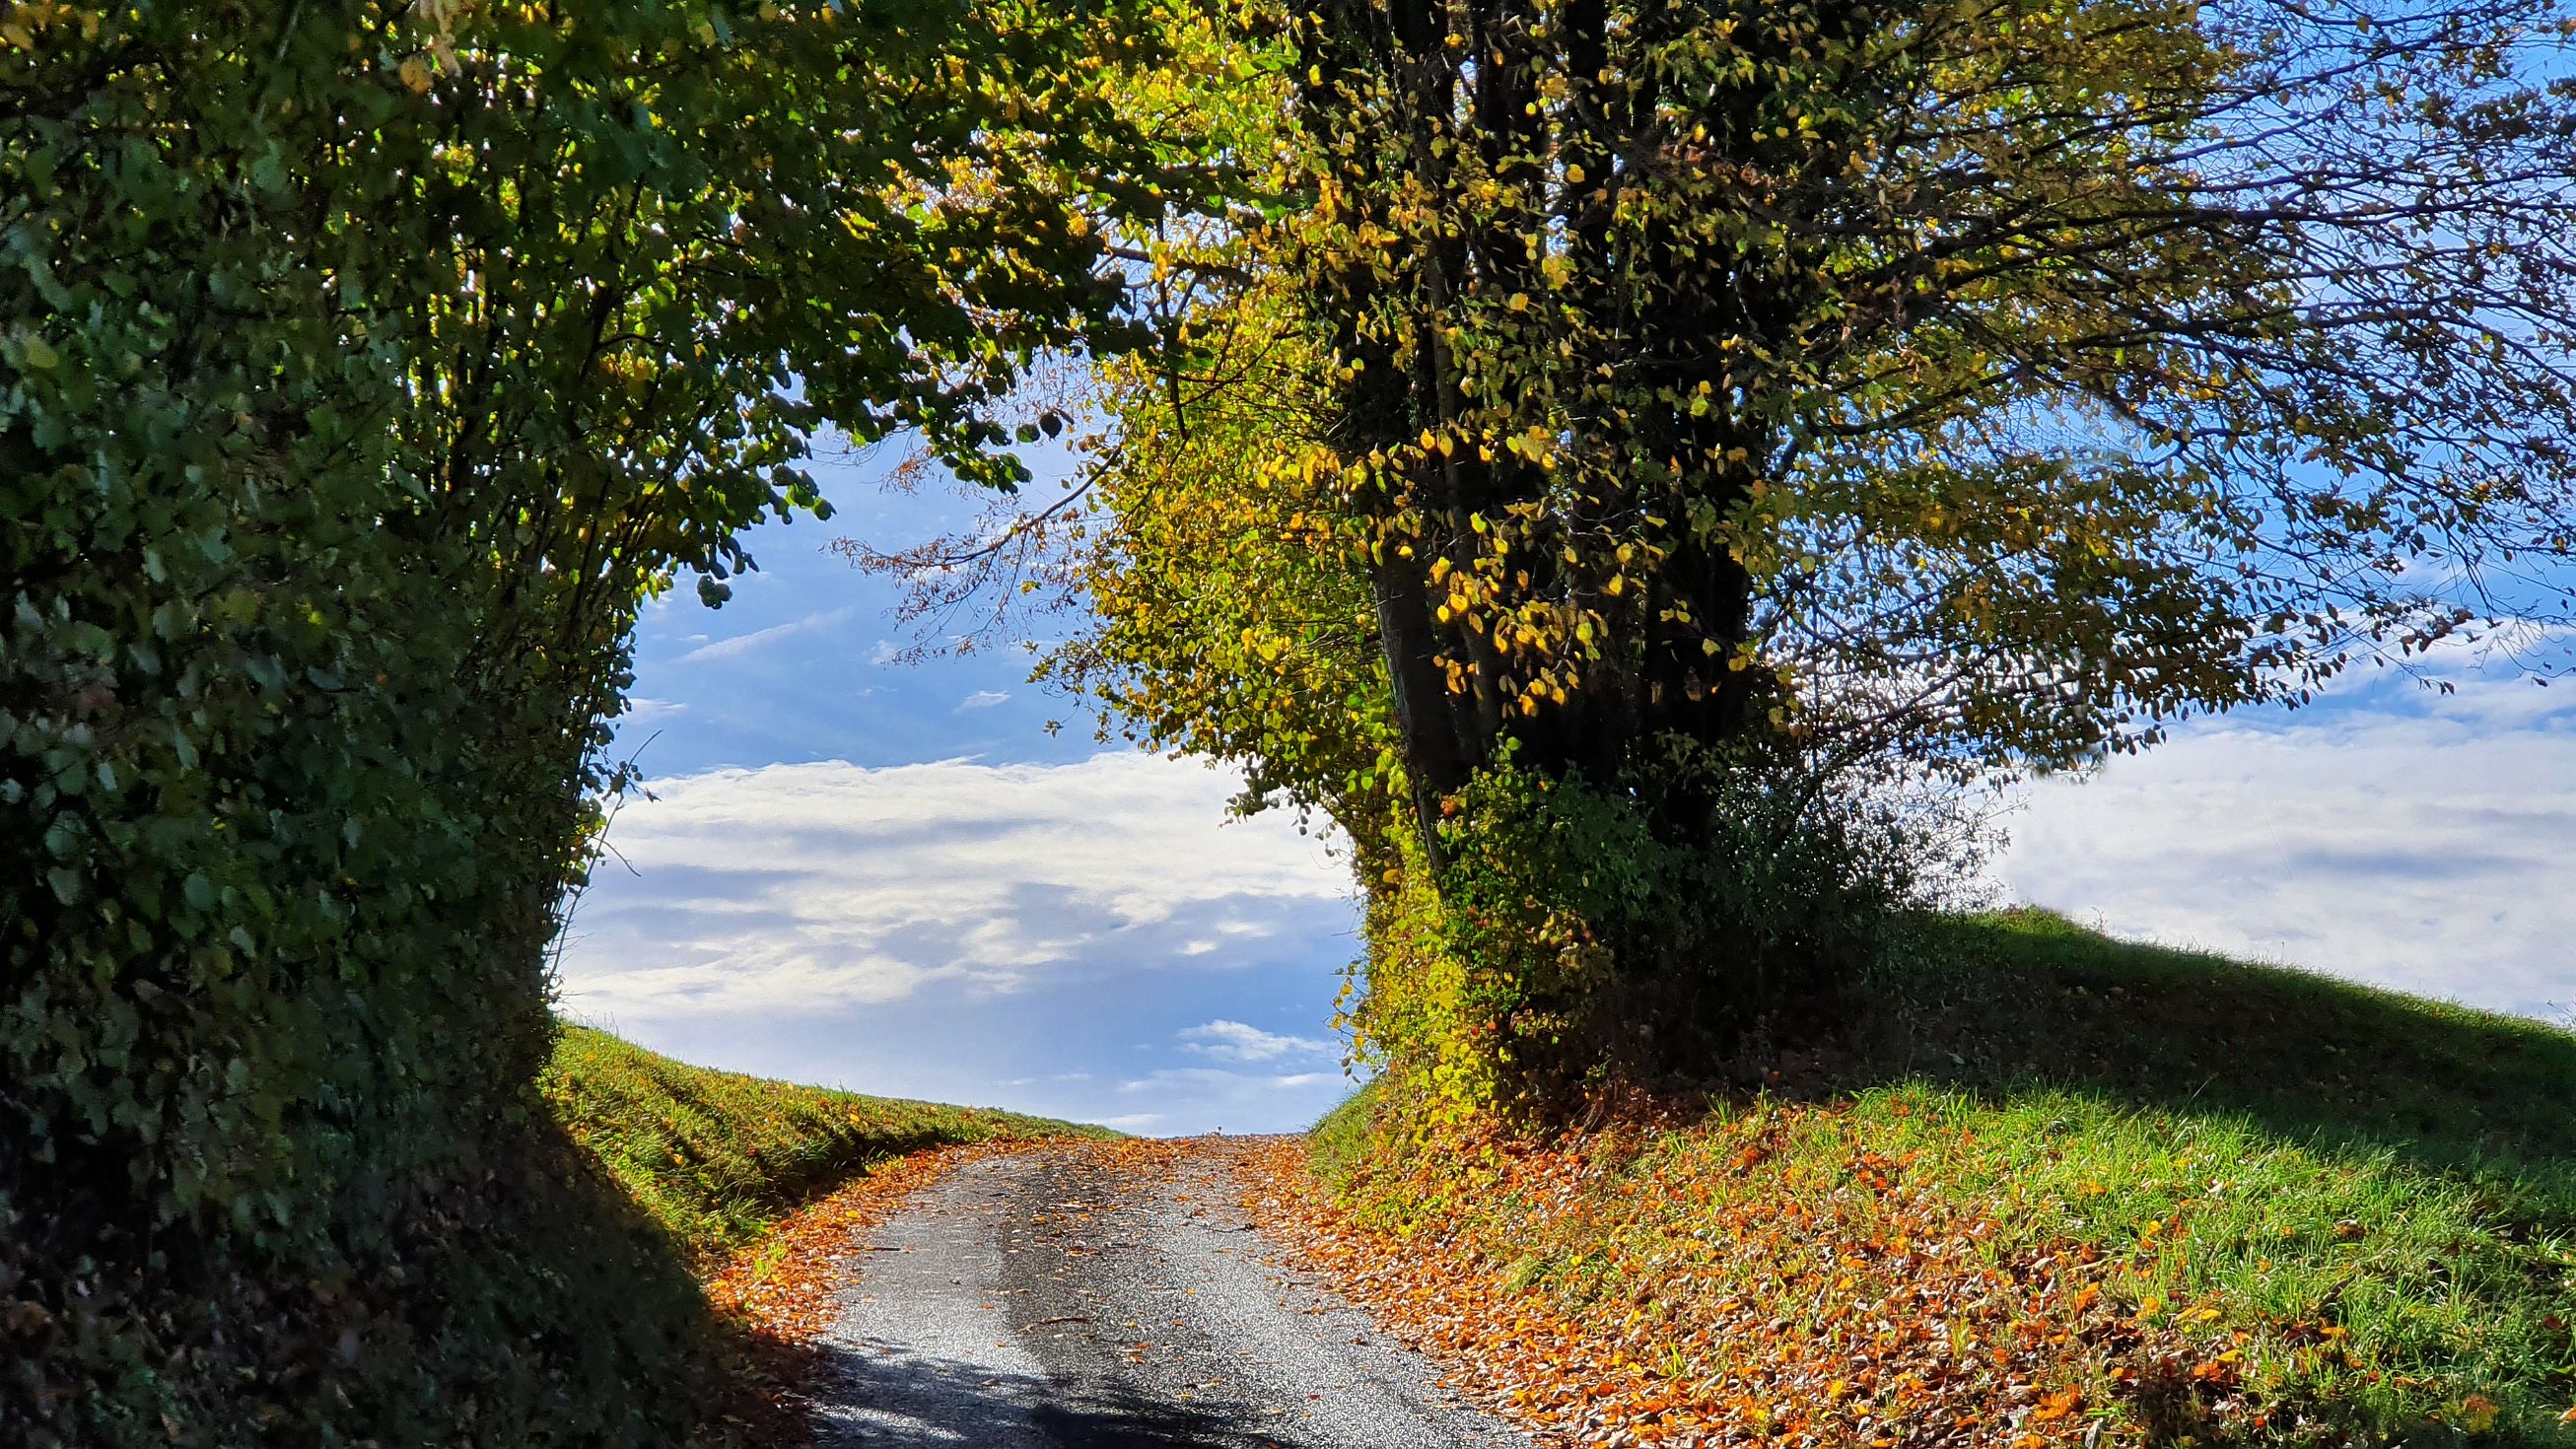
(1942, 339)
(1963, 387)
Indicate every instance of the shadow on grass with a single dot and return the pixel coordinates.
(523, 1299)
(568, 1291)
(2004, 1003)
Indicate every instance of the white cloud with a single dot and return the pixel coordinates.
(646, 711)
(1198, 1079)
(983, 699)
(741, 644)
(886, 652)
(1237, 1101)
(2391, 835)
(805, 888)
(1233, 1041)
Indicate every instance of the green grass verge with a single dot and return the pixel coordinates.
(2357, 1207)
(1341, 1140)
(715, 1157)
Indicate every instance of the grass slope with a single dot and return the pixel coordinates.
(715, 1157)
(2054, 1188)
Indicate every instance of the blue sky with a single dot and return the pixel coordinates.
(892, 878)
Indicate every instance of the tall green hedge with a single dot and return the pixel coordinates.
(362, 368)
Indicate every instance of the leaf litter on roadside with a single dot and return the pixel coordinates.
(780, 1292)
(1867, 1312)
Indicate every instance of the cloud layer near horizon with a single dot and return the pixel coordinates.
(816, 885)
(968, 921)
(2393, 835)
(1084, 936)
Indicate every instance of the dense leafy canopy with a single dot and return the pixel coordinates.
(1991, 381)
(362, 367)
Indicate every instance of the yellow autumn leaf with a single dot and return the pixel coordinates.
(2477, 1413)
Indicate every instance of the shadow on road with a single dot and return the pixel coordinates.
(908, 1401)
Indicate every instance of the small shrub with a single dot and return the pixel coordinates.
(1641, 931)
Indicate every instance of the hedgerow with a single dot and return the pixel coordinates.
(363, 367)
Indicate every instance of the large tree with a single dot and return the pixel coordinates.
(1993, 381)
(1613, 391)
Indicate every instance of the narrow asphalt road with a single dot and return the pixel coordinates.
(1064, 1297)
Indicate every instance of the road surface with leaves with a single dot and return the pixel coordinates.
(1085, 1295)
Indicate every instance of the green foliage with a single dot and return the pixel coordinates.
(714, 1157)
(1986, 382)
(362, 368)
(1226, 617)
(2376, 1191)
(1651, 930)
(1963, 386)
(1647, 926)
(531, 1303)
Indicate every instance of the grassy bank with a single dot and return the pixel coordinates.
(548, 1293)
(2052, 1188)
(715, 1157)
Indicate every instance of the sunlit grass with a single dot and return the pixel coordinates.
(2181, 1197)
(716, 1157)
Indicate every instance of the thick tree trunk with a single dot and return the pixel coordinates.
(1456, 88)
(1436, 760)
